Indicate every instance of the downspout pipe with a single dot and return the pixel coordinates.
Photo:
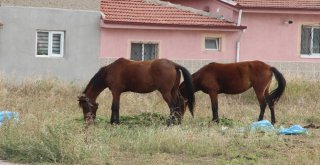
(240, 36)
(239, 17)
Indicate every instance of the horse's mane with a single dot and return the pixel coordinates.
(98, 80)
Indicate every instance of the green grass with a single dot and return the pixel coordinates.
(50, 129)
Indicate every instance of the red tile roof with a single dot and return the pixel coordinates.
(149, 12)
(281, 4)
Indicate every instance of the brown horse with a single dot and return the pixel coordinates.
(235, 78)
(141, 77)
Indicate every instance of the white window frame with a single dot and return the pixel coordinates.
(312, 55)
(50, 53)
(143, 43)
(218, 43)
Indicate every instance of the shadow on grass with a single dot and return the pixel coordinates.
(146, 119)
(143, 119)
(207, 122)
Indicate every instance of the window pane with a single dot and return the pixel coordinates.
(56, 43)
(212, 43)
(150, 51)
(136, 51)
(306, 40)
(42, 43)
(316, 40)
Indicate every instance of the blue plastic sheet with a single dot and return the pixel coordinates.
(266, 126)
(293, 130)
(7, 115)
(263, 125)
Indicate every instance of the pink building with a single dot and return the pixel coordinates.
(147, 29)
(282, 32)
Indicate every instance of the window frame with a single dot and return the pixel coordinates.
(50, 43)
(311, 55)
(217, 40)
(143, 49)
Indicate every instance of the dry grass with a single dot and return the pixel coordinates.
(50, 128)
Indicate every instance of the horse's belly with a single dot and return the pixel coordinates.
(141, 88)
(235, 88)
(236, 91)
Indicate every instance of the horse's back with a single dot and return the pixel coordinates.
(239, 69)
(231, 78)
(141, 76)
(163, 72)
(259, 71)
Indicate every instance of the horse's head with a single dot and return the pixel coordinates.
(183, 100)
(183, 105)
(89, 109)
(177, 113)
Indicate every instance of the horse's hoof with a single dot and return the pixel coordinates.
(115, 123)
(172, 122)
(216, 121)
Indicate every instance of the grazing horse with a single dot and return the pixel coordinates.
(140, 77)
(235, 78)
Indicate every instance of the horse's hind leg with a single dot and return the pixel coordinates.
(263, 106)
(271, 107)
(115, 108)
(214, 106)
(260, 93)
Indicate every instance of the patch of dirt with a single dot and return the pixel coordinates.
(312, 126)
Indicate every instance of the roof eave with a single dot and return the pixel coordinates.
(277, 8)
(238, 6)
(204, 27)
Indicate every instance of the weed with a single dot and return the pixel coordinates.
(50, 128)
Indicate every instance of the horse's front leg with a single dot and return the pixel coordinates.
(214, 106)
(115, 108)
(174, 108)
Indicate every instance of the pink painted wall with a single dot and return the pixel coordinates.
(268, 38)
(173, 44)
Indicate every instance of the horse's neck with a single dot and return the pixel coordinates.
(92, 93)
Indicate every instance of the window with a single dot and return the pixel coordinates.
(310, 41)
(50, 43)
(144, 51)
(212, 43)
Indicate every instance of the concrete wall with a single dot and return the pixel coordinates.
(66, 4)
(307, 70)
(18, 43)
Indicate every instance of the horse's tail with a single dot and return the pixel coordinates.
(189, 87)
(277, 93)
